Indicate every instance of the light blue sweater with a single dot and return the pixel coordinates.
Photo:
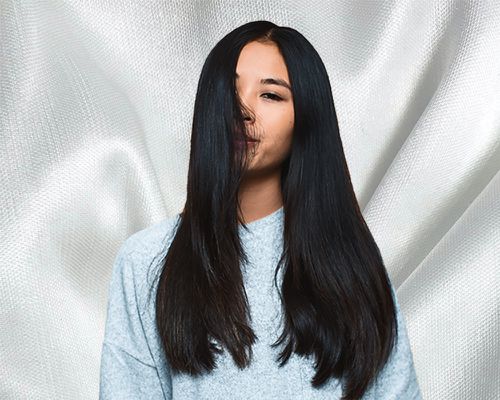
(133, 364)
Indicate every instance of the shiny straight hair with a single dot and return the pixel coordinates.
(336, 297)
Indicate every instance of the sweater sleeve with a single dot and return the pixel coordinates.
(127, 369)
(398, 379)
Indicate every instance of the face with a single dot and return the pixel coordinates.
(271, 102)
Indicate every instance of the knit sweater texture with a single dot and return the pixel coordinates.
(133, 364)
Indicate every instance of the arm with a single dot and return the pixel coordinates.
(398, 379)
(127, 369)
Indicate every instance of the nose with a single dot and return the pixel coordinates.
(246, 111)
(248, 119)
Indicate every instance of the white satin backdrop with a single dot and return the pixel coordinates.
(96, 106)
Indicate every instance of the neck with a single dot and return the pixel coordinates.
(260, 196)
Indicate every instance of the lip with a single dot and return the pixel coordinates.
(248, 141)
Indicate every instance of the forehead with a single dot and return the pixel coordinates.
(259, 60)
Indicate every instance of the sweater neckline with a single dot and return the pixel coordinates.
(262, 222)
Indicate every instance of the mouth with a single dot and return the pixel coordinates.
(251, 143)
(247, 140)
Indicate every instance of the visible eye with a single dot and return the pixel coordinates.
(273, 96)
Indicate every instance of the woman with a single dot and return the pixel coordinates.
(271, 233)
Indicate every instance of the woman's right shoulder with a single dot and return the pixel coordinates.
(151, 239)
(142, 248)
(140, 254)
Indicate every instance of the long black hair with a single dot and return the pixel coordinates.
(336, 295)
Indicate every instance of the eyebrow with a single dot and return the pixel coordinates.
(273, 81)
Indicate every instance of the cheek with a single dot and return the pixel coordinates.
(288, 127)
(282, 141)
(280, 124)
(278, 127)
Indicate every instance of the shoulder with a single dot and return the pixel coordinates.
(140, 253)
(150, 240)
